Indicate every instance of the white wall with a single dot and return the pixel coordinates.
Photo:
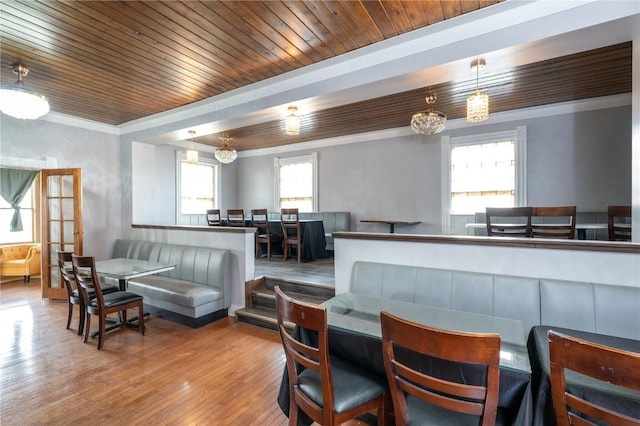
(604, 267)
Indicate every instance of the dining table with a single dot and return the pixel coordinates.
(392, 223)
(314, 240)
(123, 269)
(609, 396)
(354, 334)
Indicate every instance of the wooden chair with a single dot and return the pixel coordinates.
(603, 363)
(291, 232)
(84, 271)
(422, 398)
(235, 217)
(260, 221)
(508, 221)
(329, 390)
(213, 217)
(73, 293)
(563, 218)
(619, 223)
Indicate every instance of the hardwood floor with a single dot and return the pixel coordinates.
(320, 271)
(224, 373)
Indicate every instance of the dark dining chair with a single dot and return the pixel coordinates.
(291, 232)
(260, 221)
(553, 222)
(213, 217)
(508, 221)
(84, 271)
(619, 223)
(610, 366)
(235, 217)
(330, 390)
(73, 292)
(425, 398)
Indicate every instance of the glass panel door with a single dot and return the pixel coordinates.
(61, 225)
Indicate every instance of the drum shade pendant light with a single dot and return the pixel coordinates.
(19, 101)
(226, 154)
(292, 127)
(192, 154)
(478, 103)
(428, 122)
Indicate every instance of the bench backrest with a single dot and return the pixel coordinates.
(598, 308)
(202, 265)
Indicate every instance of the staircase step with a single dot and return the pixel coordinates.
(260, 317)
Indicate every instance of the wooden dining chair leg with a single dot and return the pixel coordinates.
(87, 328)
(141, 317)
(82, 315)
(70, 314)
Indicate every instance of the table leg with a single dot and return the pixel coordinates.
(392, 227)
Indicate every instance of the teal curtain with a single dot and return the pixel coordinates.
(14, 184)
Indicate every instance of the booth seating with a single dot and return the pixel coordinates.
(599, 308)
(196, 292)
(332, 222)
(20, 260)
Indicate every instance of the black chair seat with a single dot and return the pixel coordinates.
(118, 298)
(106, 290)
(352, 385)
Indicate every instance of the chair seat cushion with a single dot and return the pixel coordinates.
(423, 413)
(117, 298)
(92, 294)
(352, 385)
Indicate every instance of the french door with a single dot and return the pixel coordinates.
(61, 197)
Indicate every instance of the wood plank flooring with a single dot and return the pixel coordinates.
(224, 373)
(320, 271)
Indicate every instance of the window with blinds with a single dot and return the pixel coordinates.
(296, 182)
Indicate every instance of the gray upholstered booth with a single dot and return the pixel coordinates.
(196, 292)
(599, 308)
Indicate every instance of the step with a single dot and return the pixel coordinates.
(266, 297)
(260, 317)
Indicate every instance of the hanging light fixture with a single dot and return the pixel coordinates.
(478, 103)
(226, 154)
(18, 101)
(192, 154)
(429, 122)
(292, 127)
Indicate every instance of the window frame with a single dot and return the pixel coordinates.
(278, 161)
(193, 218)
(519, 135)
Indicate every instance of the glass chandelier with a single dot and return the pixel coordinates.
(428, 122)
(18, 101)
(293, 122)
(192, 154)
(478, 103)
(226, 154)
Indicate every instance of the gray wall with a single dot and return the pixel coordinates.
(95, 152)
(582, 159)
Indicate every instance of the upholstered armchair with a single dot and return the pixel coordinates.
(20, 260)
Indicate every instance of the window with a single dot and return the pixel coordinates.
(484, 170)
(197, 187)
(296, 182)
(27, 213)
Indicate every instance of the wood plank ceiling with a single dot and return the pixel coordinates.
(117, 61)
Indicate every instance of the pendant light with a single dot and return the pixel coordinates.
(292, 127)
(19, 101)
(192, 154)
(226, 154)
(478, 103)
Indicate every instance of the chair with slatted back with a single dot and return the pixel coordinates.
(330, 390)
(235, 217)
(84, 271)
(213, 217)
(619, 223)
(553, 222)
(610, 366)
(291, 232)
(73, 293)
(508, 221)
(424, 398)
(260, 221)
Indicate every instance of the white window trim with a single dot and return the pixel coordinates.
(520, 137)
(182, 156)
(277, 162)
